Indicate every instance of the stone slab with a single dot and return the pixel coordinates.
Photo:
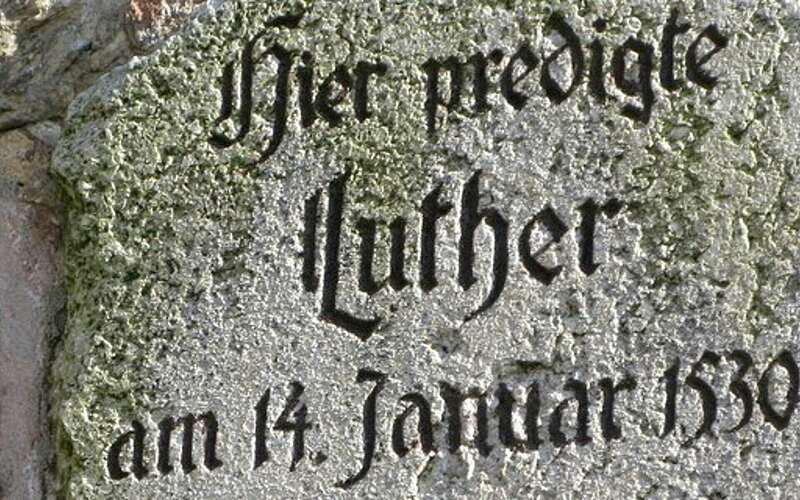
(440, 269)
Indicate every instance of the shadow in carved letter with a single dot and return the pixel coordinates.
(249, 60)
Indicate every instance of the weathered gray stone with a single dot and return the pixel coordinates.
(49, 52)
(24, 168)
(52, 50)
(184, 263)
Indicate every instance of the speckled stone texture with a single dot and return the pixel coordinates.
(50, 51)
(193, 287)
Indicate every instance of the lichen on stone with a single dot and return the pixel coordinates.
(183, 259)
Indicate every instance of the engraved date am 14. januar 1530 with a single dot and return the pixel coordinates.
(126, 460)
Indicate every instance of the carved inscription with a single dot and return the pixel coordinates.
(681, 402)
(432, 209)
(490, 411)
(325, 99)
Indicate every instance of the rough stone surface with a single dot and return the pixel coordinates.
(183, 261)
(52, 50)
(49, 52)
